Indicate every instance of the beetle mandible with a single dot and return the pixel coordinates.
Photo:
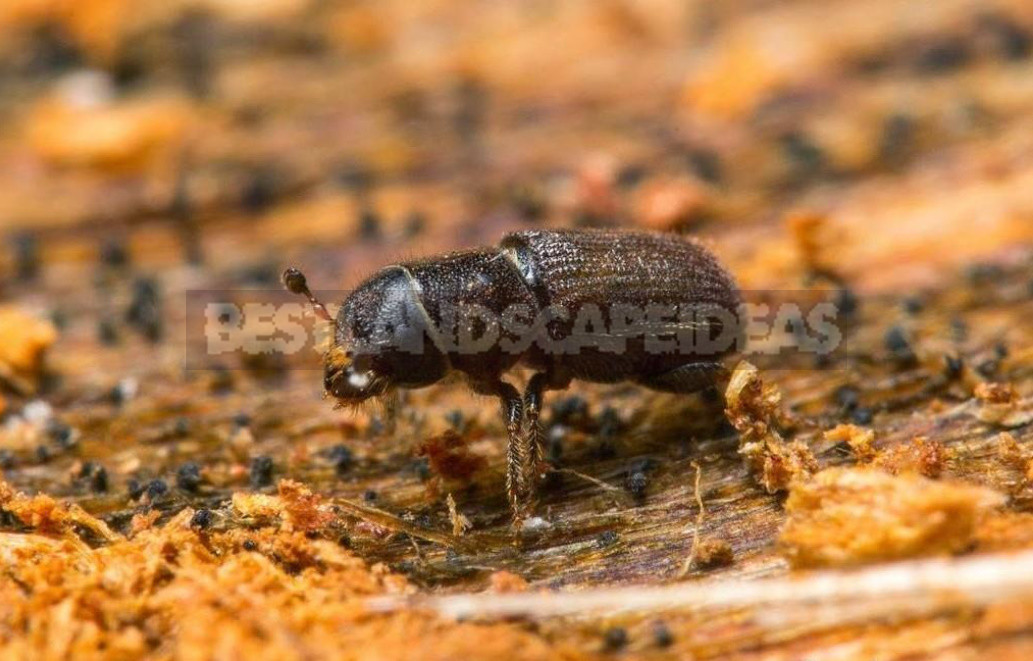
(598, 305)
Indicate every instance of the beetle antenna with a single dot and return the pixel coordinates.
(294, 281)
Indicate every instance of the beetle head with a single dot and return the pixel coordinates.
(380, 339)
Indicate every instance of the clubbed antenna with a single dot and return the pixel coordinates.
(294, 281)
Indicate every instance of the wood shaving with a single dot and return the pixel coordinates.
(754, 409)
(851, 516)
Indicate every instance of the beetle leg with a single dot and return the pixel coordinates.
(532, 428)
(518, 454)
(533, 401)
(686, 379)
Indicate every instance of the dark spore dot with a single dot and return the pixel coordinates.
(241, 419)
(156, 489)
(529, 201)
(898, 137)
(609, 422)
(616, 638)
(260, 191)
(959, 329)
(803, 154)
(897, 343)
(376, 427)
(261, 474)
(7, 460)
(631, 175)
(662, 636)
(471, 99)
(567, 410)
(43, 454)
(51, 51)
(862, 416)
(636, 483)
(222, 380)
(144, 311)
(188, 477)
(989, 367)
(249, 545)
(107, 333)
(607, 538)
(369, 496)
(95, 475)
(421, 469)
(340, 458)
(135, 488)
(1007, 38)
(942, 54)
(202, 519)
(26, 256)
(984, 274)
(113, 254)
(370, 224)
(59, 318)
(822, 360)
(846, 301)
(604, 449)
(455, 419)
(847, 397)
(194, 35)
(61, 433)
(129, 69)
(952, 366)
(264, 273)
(355, 177)
(706, 165)
(554, 444)
(913, 305)
(1001, 350)
(415, 224)
(117, 395)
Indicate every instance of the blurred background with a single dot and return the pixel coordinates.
(226, 132)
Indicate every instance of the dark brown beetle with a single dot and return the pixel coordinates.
(601, 306)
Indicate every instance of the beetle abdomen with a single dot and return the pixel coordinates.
(630, 277)
(575, 266)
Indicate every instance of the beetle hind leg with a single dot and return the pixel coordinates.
(532, 428)
(686, 379)
(533, 433)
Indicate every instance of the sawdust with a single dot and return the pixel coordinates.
(754, 409)
(853, 516)
(271, 592)
(24, 340)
